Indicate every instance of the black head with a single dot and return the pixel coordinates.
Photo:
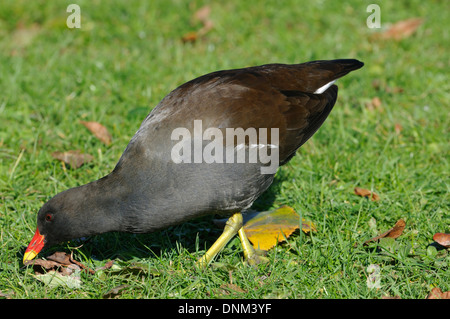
(59, 219)
(74, 213)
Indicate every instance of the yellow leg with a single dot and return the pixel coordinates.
(232, 227)
(250, 253)
(234, 223)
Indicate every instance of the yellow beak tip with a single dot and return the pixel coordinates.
(28, 256)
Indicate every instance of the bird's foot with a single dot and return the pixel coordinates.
(252, 257)
(232, 227)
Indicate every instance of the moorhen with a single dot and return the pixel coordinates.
(211, 146)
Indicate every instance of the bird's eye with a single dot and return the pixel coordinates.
(48, 217)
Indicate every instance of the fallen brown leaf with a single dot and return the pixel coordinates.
(394, 232)
(366, 193)
(60, 262)
(207, 26)
(61, 258)
(190, 37)
(107, 265)
(442, 239)
(41, 265)
(83, 267)
(394, 90)
(436, 293)
(201, 15)
(100, 131)
(402, 29)
(73, 158)
(374, 104)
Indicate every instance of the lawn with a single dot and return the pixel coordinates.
(389, 133)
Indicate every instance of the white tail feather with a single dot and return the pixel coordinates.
(324, 88)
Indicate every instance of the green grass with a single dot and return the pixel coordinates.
(128, 55)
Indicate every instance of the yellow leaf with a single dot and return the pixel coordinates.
(266, 229)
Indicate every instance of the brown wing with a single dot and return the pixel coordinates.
(269, 96)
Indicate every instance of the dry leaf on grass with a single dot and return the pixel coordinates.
(73, 158)
(402, 29)
(366, 193)
(100, 131)
(374, 104)
(55, 279)
(442, 239)
(266, 229)
(436, 293)
(394, 232)
(394, 90)
(60, 258)
(190, 36)
(201, 15)
(60, 269)
(108, 265)
(58, 261)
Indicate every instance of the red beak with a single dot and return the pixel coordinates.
(35, 246)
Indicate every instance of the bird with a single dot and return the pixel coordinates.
(211, 146)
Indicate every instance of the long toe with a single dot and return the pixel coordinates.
(252, 256)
